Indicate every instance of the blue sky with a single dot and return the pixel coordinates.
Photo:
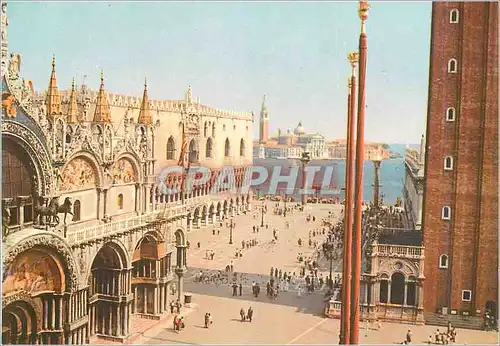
(232, 53)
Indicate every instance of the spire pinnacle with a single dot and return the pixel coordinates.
(53, 99)
(264, 98)
(72, 116)
(101, 108)
(145, 117)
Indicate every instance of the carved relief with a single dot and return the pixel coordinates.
(33, 271)
(8, 107)
(124, 172)
(52, 242)
(78, 173)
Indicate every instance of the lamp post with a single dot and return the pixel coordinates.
(306, 158)
(231, 226)
(348, 204)
(360, 146)
(284, 199)
(262, 215)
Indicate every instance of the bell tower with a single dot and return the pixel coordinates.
(264, 122)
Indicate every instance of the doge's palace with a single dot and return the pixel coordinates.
(92, 233)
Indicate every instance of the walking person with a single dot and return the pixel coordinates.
(207, 319)
(240, 289)
(250, 314)
(242, 315)
(408, 337)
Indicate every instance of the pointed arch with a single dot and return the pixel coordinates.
(242, 147)
(227, 148)
(209, 148)
(171, 148)
(193, 151)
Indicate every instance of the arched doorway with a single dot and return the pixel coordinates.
(18, 185)
(397, 288)
(211, 213)
(384, 289)
(151, 278)
(33, 297)
(19, 323)
(196, 218)
(181, 257)
(109, 302)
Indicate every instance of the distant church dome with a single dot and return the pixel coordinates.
(299, 130)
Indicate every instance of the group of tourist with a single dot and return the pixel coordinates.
(444, 338)
(248, 316)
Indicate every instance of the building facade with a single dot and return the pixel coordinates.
(460, 210)
(90, 240)
(291, 145)
(413, 188)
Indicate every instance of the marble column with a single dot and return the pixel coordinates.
(420, 296)
(105, 201)
(53, 311)
(136, 296)
(155, 300)
(118, 320)
(145, 299)
(389, 285)
(405, 294)
(137, 197)
(98, 214)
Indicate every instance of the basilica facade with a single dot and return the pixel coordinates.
(90, 238)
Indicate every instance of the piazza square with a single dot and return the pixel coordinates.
(154, 191)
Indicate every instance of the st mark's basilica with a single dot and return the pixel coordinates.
(89, 237)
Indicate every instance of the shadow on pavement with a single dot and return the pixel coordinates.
(313, 303)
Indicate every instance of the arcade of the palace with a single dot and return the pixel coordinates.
(92, 233)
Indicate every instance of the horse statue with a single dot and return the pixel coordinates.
(50, 211)
(5, 222)
(66, 208)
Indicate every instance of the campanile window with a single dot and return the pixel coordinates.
(452, 66)
(450, 114)
(448, 163)
(446, 213)
(454, 16)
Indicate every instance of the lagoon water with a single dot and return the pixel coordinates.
(391, 175)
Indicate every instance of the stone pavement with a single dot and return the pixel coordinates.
(259, 259)
(289, 320)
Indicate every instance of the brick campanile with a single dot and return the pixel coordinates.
(264, 122)
(460, 212)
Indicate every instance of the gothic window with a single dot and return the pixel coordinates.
(213, 130)
(446, 213)
(224, 127)
(450, 114)
(17, 175)
(193, 151)
(384, 290)
(452, 66)
(234, 127)
(208, 150)
(466, 295)
(77, 210)
(448, 163)
(411, 292)
(443, 261)
(242, 147)
(171, 148)
(119, 201)
(205, 129)
(454, 16)
(227, 148)
(397, 288)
